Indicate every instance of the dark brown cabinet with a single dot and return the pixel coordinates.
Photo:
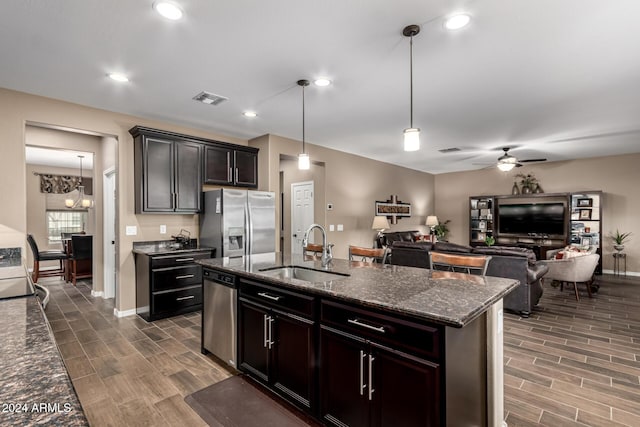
(276, 341)
(168, 284)
(225, 165)
(366, 383)
(168, 175)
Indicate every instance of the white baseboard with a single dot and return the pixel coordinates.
(629, 273)
(124, 313)
(96, 293)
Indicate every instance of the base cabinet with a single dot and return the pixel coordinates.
(364, 384)
(276, 346)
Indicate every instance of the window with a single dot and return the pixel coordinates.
(64, 222)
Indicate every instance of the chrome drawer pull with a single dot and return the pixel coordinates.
(186, 276)
(184, 298)
(362, 384)
(266, 295)
(364, 325)
(371, 390)
(183, 259)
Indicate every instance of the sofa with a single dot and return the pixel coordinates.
(506, 261)
(386, 239)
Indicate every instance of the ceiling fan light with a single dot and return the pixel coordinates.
(411, 139)
(304, 163)
(506, 166)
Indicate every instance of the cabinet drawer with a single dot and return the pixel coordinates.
(177, 259)
(177, 300)
(176, 277)
(399, 333)
(293, 302)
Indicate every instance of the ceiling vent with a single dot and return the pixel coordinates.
(449, 150)
(210, 98)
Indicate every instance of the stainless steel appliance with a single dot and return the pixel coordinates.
(238, 222)
(219, 315)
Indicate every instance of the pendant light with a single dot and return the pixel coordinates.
(411, 134)
(82, 201)
(304, 162)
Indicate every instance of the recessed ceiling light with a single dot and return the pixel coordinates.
(250, 114)
(456, 22)
(322, 82)
(119, 77)
(168, 10)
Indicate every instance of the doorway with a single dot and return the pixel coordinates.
(109, 240)
(302, 213)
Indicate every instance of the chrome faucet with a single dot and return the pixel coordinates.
(327, 254)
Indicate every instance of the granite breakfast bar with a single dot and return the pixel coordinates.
(448, 325)
(35, 388)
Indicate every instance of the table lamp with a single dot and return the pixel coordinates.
(380, 223)
(432, 221)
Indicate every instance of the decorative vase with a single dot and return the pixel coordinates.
(515, 190)
(526, 189)
(618, 248)
(538, 189)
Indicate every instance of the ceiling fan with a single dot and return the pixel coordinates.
(506, 162)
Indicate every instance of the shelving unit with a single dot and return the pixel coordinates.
(586, 221)
(481, 214)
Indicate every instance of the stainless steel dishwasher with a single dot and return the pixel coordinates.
(219, 314)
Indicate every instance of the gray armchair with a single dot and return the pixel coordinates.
(579, 269)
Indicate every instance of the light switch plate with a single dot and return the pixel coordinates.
(332, 227)
(340, 227)
(163, 229)
(131, 230)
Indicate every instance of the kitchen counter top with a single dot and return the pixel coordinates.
(165, 247)
(451, 299)
(34, 387)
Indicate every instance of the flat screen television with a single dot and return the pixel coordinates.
(528, 218)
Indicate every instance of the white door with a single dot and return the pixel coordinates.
(301, 213)
(109, 221)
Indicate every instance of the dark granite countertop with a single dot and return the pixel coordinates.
(451, 299)
(35, 388)
(166, 247)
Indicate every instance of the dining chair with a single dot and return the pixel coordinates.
(81, 257)
(370, 255)
(39, 256)
(312, 250)
(459, 263)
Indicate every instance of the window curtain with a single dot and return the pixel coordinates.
(63, 184)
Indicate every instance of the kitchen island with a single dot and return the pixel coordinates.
(35, 388)
(371, 344)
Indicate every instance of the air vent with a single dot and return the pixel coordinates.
(449, 150)
(210, 98)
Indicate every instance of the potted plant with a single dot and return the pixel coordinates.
(619, 239)
(441, 229)
(490, 241)
(528, 182)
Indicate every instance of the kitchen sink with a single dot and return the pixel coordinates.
(302, 273)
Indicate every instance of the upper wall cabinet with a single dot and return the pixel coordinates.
(225, 165)
(168, 172)
(170, 169)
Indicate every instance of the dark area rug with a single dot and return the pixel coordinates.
(235, 402)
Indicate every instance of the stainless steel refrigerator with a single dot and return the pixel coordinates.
(238, 222)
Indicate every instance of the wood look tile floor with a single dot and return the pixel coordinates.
(569, 364)
(128, 372)
(576, 363)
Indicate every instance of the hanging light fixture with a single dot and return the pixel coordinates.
(82, 201)
(411, 134)
(304, 162)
